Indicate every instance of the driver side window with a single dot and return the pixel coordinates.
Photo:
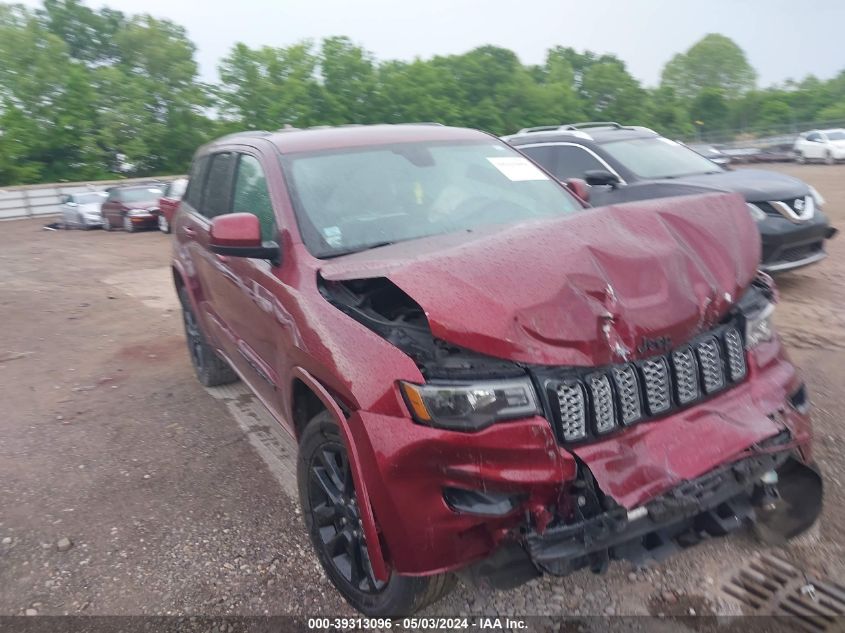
(253, 196)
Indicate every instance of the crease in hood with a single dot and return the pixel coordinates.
(582, 290)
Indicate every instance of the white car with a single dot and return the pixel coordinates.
(82, 210)
(825, 145)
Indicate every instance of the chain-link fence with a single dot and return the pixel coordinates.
(763, 136)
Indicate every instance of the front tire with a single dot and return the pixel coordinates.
(801, 159)
(330, 508)
(127, 224)
(163, 224)
(211, 370)
(829, 159)
(106, 223)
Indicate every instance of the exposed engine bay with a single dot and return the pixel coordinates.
(387, 310)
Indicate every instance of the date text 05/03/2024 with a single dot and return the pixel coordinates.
(415, 624)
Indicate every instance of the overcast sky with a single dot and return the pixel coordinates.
(782, 38)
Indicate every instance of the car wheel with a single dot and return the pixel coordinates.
(828, 159)
(211, 370)
(163, 224)
(127, 224)
(106, 223)
(329, 503)
(800, 158)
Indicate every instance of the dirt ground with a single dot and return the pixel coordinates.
(178, 500)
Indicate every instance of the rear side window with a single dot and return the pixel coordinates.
(815, 136)
(252, 196)
(217, 193)
(193, 196)
(564, 161)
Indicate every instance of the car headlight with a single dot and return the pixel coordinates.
(758, 326)
(470, 406)
(756, 212)
(817, 197)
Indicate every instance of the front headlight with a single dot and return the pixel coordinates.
(470, 406)
(817, 197)
(756, 212)
(758, 326)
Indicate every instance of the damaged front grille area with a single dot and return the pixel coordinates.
(618, 396)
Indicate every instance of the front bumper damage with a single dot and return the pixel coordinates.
(771, 490)
(714, 504)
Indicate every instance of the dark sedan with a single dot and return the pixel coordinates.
(627, 163)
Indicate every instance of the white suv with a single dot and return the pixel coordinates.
(826, 145)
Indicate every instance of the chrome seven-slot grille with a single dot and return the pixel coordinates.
(620, 395)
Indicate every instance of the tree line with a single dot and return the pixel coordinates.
(88, 94)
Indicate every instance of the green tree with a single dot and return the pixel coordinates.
(612, 93)
(713, 63)
(269, 88)
(710, 110)
(349, 83)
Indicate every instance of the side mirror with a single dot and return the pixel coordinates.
(597, 177)
(239, 235)
(578, 187)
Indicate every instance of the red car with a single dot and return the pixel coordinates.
(131, 207)
(169, 202)
(484, 376)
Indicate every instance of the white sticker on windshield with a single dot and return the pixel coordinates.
(333, 236)
(517, 168)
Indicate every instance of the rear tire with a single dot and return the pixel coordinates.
(828, 159)
(211, 370)
(800, 158)
(329, 507)
(163, 224)
(106, 223)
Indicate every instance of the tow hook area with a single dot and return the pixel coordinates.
(788, 501)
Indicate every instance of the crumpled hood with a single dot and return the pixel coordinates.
(757, 185)
(586, 289)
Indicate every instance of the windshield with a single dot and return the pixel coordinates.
(658, 157)
(89, 198)
(839, 135)
(352, 200)
(140, 194)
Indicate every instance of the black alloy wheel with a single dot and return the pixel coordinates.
(337, 517)
(211, 370)
(333, 519)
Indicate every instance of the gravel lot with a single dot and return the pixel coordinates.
(127, 488)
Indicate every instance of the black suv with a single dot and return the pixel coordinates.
(627, 163)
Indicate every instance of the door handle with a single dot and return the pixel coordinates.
(189, 231)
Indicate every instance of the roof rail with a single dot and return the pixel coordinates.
(258, 133)
(539, 128)
(588, 124)
(419, 123)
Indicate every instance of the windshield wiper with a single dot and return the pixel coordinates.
(368, 247)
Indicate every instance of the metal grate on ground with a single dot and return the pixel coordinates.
(768, 585)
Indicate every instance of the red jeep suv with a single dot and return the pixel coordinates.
(485, 377)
